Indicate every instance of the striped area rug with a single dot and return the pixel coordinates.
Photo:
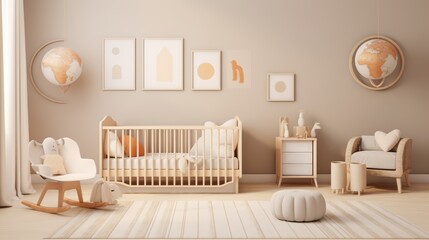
(233, 219)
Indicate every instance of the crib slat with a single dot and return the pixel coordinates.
(116, 156)
(159, 154)
(129, 155)
(153, 150)
(232, 154)
(123, 157)
(189, 165)
(225, 159)
(145, 139)
(218, 155)
(203, 132)
(211, 157)
(181, 151)
(196, 165)
(175, 156)
(167, 150)
(138, 156)
(108, 154)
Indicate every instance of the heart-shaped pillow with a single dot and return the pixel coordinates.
(387, 141)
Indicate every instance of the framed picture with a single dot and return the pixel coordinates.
(281, 87)
(119, 64)
(206, 70)
(163, 64)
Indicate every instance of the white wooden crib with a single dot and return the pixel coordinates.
(171, 159)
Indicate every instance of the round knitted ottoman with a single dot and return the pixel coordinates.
(298, 205)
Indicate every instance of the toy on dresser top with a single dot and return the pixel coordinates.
(300, 131)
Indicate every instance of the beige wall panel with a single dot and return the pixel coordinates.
(312, 39)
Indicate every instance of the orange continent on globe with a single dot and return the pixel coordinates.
(376, 59)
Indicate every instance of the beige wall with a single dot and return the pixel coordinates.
(312, 39)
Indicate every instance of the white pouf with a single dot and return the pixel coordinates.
(298, 205)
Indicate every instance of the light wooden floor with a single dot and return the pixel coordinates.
(19, 222)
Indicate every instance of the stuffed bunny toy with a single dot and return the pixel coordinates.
(52, 157)
(52, 146)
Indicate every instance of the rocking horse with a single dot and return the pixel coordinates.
(60, 164)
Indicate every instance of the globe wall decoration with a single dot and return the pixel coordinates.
(377, 62)
(60, 66)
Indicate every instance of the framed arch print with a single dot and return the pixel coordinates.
(119, 56)
(281, 87)
(163, 64)
(206, 70)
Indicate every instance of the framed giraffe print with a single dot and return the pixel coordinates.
(281, 87)
(163, 64)
(119, 63)
(206, 70)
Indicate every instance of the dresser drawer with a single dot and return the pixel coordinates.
(295, 169)
(297, 146)
(297, 158)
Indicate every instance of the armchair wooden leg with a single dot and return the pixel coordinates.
(280, 182)
(399, 183)
(407, 179)
(348, 178)
(315, 182)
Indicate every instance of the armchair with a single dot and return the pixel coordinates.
(395, 163)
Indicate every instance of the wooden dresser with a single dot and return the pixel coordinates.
(296, 158)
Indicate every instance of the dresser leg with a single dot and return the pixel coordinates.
(280, 181)
(315, 182)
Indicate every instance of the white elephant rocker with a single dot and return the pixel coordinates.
(105, 192)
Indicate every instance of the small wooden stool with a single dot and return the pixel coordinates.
(338, 176)
(357, 177)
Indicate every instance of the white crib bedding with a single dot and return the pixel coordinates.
(173, 162)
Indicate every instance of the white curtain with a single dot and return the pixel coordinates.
(15, 178)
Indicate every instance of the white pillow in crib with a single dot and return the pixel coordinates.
(113, 146)
(206, 150)
(213, 135)
(229, 133)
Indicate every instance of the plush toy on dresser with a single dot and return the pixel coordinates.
(300, 131)
(316, 126)
(285, 126)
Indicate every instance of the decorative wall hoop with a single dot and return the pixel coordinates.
(31, 73)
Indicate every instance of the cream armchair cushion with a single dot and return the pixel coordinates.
(368, 143)
(376, 159)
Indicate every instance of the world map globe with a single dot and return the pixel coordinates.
(376, 59)
(61, 66)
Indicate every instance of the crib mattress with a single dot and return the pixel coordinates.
(167, 161)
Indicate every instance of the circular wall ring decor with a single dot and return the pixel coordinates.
(31, 73)
(376, 62)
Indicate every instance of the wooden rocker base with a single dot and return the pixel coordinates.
(61, 187)
(85, 204)
(45, 209)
